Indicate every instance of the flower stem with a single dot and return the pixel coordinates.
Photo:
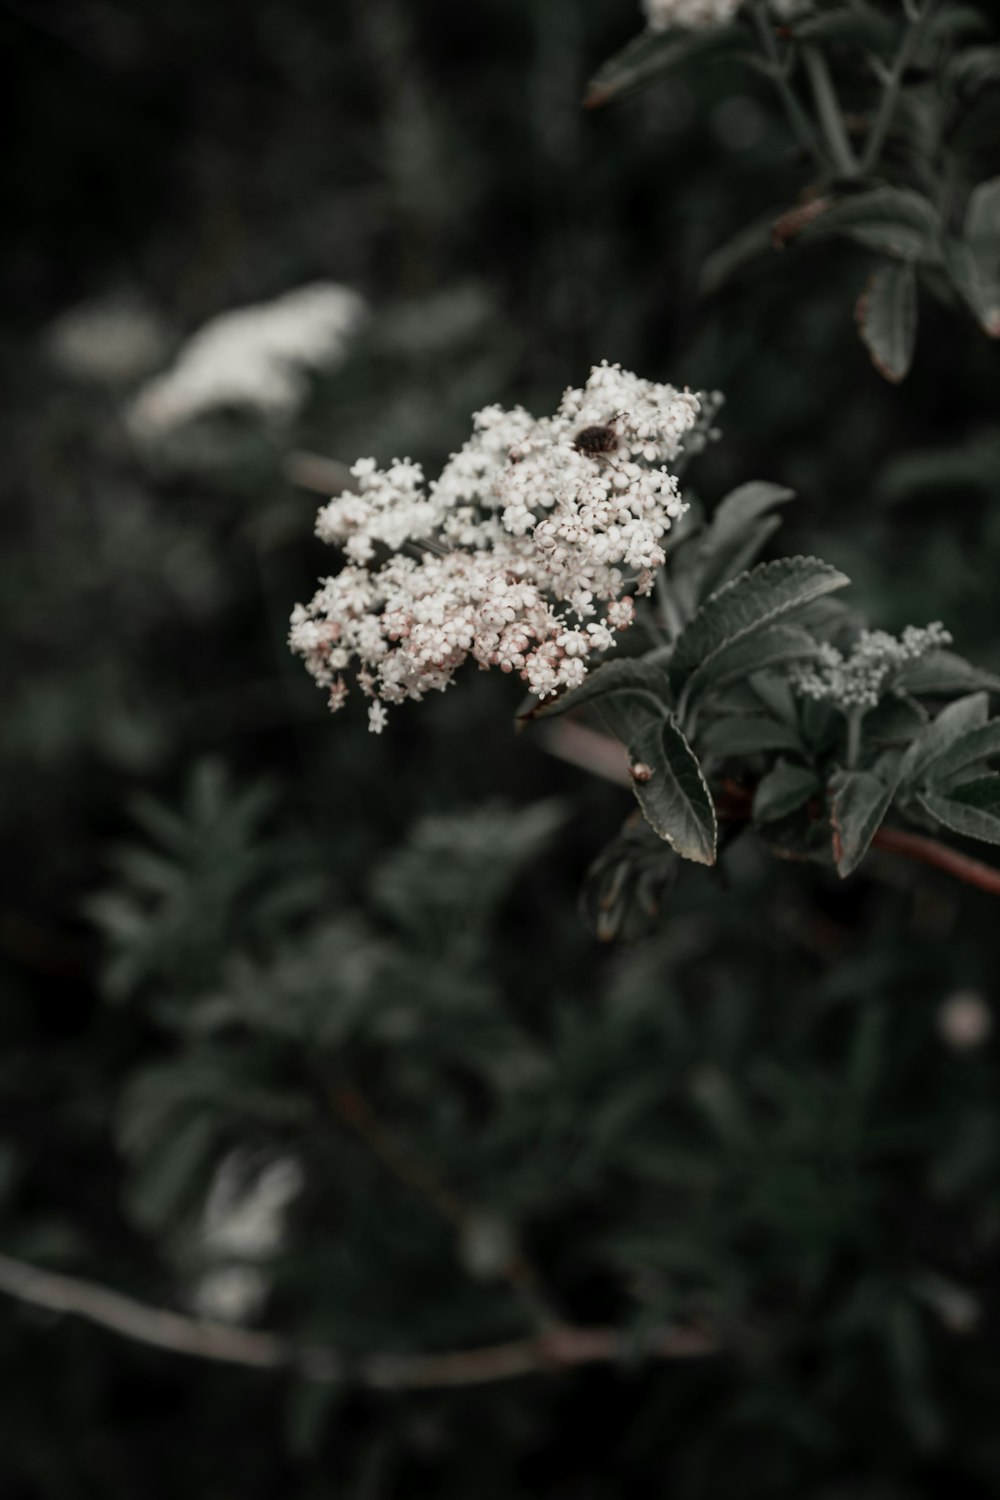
(854, 721)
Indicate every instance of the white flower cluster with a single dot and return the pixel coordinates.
(519, 556)
(242, 1222)
(698, 15)
(859, 680)
(254, 358)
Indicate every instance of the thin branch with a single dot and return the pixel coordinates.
(562, 1348)
(890, 95)
(927, 851)
(797, 117)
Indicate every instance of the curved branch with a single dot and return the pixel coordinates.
(928, 851)
(561, 1348)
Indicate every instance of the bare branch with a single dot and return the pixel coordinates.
(562, 1348)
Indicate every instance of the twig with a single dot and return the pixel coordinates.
(350, 1106)
(604, 757)
(890, 94)
(563, 1348)
(797, 117)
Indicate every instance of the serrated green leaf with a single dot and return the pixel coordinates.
(978, 745)
(950, 725)
(624, 674)
(895, 721)
(896, 221)
(784, 788)
(972, 809)
(886, 315)
(630, 710)
(652, 54)
(859, 803)
(747, 604)
(944, 673)
(671, 790)
(746, 734)
(772, 647)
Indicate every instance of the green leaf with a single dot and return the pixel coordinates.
(771, 647)
(671, 790)
(972, 809)
(784, 788)
(974, 268)
(746, 734)
(943, 673)
(852, 27)
(747, 604)
(896, 221)
(982, 217)
(723, 552)
(860, 802)
(979, 744)
(895, 721)
(654, 53)
(624, 674)
(950, 725)
(886, 315)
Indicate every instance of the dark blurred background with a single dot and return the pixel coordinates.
(215, 898)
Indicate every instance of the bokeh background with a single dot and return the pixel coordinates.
(776, 1116)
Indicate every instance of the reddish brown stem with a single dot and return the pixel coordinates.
(929, 852)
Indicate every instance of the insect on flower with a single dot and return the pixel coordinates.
(600, 440)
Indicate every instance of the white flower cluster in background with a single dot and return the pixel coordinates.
(242, 1223)
(859, 680)
(524, 554)
(254, 358)
(698, 15)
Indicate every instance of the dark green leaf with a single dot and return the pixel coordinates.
(950, 725)
(982, 217)
(745, 734)
(771, 647)
(896, 221)
(860, 802)
(943, 674)
(784, 788)
(749, 603)
(738, 531)
(671, 791)
(623, 674)
(654, 53)
(974, 268)
(852, 27)
(979, 744)
(886, 315)
(972, 809)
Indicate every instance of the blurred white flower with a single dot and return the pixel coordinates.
(255, 358)
(697, 15)
(110, 340)
(964, 1020)
(520, 555)
(242, 1222)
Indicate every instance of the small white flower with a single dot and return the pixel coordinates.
(524, 535)
(858, 681)
(965, 1020)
